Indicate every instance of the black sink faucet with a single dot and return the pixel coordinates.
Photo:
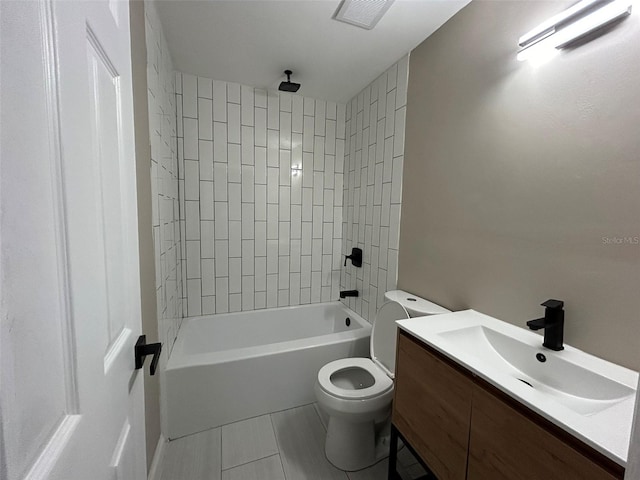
(348, 293)
(553, 324)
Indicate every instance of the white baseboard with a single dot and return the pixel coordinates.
(155, 470)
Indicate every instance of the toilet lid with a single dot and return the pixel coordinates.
(383, 336)
(382, 382)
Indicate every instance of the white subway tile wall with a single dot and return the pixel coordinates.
(249, 188)
(373, 158)
(164, 180)
(262, 188)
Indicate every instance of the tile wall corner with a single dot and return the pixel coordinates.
(374, 156)
(164, 180)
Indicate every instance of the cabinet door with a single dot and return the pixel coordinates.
(508, 445)
(432, 408)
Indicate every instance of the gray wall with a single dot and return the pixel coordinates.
(145, 238)
(517, 179)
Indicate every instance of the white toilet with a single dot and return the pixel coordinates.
(356, 393)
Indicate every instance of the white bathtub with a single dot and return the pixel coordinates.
(225, 368)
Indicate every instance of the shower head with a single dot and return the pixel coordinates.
(288, 86)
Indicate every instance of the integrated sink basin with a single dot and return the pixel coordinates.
(588, 397)
(575, 387)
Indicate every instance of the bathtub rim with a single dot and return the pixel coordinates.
(179, 360)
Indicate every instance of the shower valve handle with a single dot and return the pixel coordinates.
(355, 257)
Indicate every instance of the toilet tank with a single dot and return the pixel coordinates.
(415, 306)
(398, 305)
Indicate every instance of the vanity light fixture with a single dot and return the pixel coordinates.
(576, 22)
(550, 26)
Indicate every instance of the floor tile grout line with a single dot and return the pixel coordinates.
(318, 416)
(237, 421)
(316, 408)
(247, 463)
(255, 459)
(278, 452)
(275, 434)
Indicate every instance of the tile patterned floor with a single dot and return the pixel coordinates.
(287, 445)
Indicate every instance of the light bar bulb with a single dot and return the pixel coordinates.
(592, 22)
(548, 27)
(551, 43)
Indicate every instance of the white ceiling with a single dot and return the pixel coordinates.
(253, 41)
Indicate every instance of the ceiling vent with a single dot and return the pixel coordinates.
(362, 13)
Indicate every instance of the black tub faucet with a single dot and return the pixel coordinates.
(553, 324)
(348, 293)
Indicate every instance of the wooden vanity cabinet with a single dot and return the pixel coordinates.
(464, 428)
(432, 408)
(508, 444)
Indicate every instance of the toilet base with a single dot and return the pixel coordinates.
(354, 446)
(382, 447)
(350, 446)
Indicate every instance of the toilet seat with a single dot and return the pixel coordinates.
(382, 383)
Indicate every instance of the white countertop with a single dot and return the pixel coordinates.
(608, 431)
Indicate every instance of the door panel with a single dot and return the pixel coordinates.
(70, 399)
(38, 379)
(106, 125)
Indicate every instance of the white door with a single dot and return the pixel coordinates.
(71, 402)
